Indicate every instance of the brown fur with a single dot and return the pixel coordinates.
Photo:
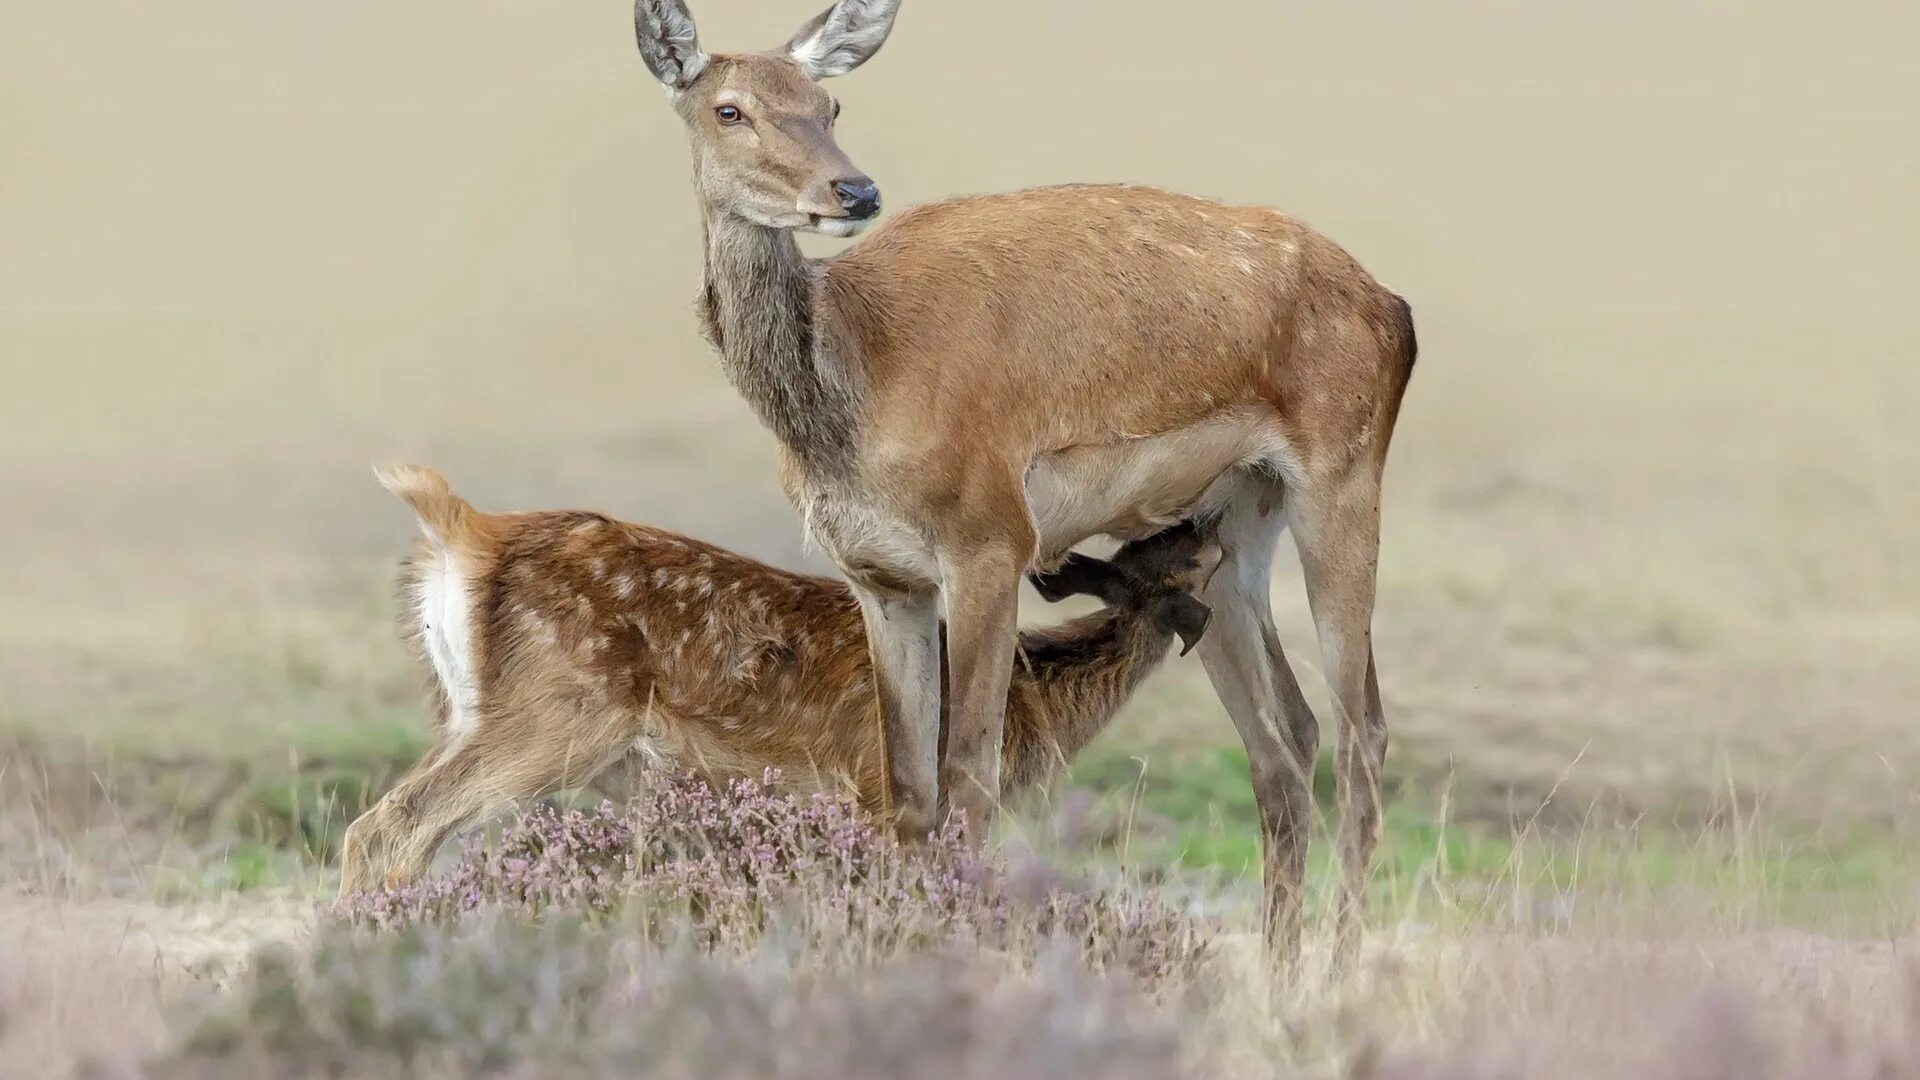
(1198, 360)
(598, 642)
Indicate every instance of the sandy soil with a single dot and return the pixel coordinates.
(90, 979)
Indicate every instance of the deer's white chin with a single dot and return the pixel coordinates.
(836, 226)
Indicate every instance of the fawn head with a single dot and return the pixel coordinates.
(1162, 572)
(760, 123)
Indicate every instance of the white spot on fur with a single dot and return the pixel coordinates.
(625, 585)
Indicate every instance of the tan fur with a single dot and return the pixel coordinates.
(600, 645)
(986, 381)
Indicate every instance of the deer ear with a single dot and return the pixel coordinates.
(842, 37)
(668, 43)
(1186, 617)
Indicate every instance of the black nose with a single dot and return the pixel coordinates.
(858, 196)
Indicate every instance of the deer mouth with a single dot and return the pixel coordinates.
(837, 224)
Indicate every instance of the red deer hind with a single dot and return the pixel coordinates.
(985, 382)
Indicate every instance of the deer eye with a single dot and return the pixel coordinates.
(836, 110)
(729, 115)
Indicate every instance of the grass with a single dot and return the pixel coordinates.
(270, 820)
(748, 934)
(1194, 809)
(196, 822)
(1489, 934)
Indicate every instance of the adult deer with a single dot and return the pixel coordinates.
(987, 381)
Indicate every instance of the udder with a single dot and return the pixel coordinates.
(1134, 486)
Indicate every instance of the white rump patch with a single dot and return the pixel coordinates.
(446, 626)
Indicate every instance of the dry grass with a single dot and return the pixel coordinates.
(553, 964)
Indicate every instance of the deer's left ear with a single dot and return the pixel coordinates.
(668, 43)
(1186, 617)
(842, 37)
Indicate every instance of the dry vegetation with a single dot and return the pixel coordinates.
(1650, 592)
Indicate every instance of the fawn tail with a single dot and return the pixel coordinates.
(445, 518)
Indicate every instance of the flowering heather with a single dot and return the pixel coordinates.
(496, 995)
(728, 866)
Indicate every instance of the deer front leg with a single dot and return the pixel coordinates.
(982, 590)
(903, 641)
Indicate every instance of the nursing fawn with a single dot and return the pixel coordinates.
(567, 649)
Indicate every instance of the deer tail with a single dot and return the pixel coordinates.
(445, 518)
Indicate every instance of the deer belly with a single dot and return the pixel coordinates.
(1137, 485)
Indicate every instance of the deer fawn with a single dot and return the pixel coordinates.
(1201, 360)
(568, 649)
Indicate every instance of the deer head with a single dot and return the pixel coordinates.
(1165, 571)
(760, 123)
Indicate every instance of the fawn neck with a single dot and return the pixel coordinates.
(1083, 671)
(759, 304)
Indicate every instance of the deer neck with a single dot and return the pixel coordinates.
(761, 307)
(1078, 675)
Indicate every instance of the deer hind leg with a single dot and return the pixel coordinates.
(395, 842)
(367, 849)
(1337, 528)
(1249, 672)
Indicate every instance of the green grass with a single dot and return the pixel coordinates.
(232, 820)
(1195, 810)
(256, 817)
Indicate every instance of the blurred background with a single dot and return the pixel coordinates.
(1653, 533)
